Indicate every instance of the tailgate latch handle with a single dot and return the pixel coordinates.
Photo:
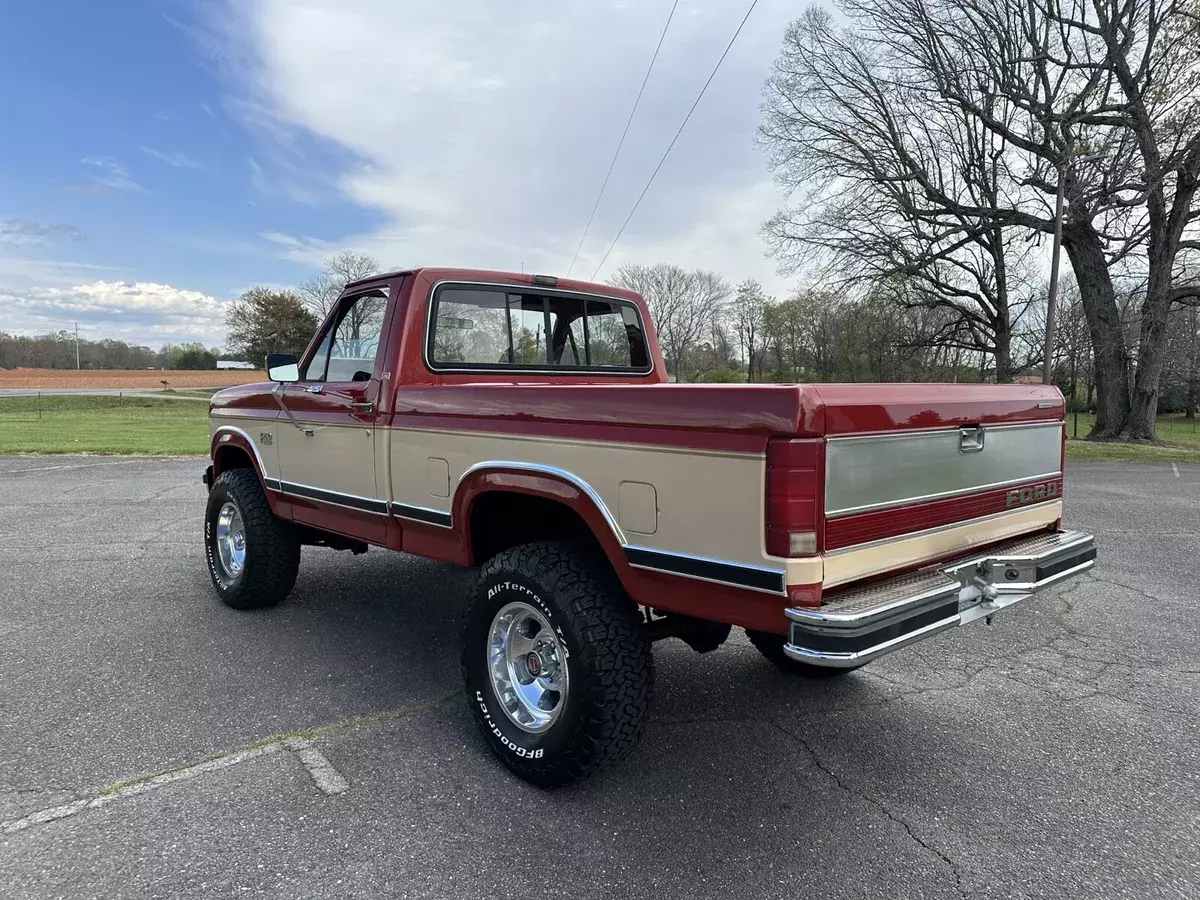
(970, 439)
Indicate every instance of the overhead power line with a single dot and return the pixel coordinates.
(682, 125)
(621, 143)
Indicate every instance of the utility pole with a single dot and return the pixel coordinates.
(77, 345)
(1052, 297)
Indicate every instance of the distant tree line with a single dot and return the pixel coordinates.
(57, 351)
(711, 331)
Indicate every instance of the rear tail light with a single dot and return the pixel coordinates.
(794, 508)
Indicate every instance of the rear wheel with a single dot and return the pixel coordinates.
(253, 557)
(558, 673)
(771, 646)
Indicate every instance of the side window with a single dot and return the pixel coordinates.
(498, 328)
(614, 336)
(347, 351)
(314, 370)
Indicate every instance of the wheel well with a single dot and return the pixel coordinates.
(504, 519)
(229, 457)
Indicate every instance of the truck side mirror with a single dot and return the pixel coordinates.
(282, 367)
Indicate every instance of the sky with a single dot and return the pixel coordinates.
(161, 156)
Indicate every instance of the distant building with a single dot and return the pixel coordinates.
(233, 364)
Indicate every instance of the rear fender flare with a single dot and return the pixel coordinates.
(549, 483)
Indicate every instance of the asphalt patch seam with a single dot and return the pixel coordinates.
(878, 804)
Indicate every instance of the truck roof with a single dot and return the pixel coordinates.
(496, 275)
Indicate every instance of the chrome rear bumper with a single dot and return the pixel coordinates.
(859, 624)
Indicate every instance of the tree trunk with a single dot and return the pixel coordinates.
(1111, 362)
(1156, 310)
(1004, 373)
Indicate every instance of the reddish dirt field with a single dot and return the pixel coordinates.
(124, 378)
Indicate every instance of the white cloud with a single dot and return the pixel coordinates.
(20, 233)
(141, 312)
(114, 174)
(484, 142)
(177, 159)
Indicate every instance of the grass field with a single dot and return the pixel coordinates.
(100, 424)
(1180, 442)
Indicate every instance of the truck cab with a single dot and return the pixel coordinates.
(524, 425)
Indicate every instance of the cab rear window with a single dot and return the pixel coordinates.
(499, 327)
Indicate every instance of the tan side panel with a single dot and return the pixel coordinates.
(336, 457)
(709, 504)
(905, 551)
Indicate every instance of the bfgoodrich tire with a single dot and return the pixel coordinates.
(771, 646)
(558, 673)
(253, 557)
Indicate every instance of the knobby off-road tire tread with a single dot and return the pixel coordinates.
(615, 662)
(273, 550)
(771, 647)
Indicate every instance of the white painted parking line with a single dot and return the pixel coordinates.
(140, 787)
(1176, 468)
(328, 778)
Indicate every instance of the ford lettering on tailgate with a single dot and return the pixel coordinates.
(1033, 494)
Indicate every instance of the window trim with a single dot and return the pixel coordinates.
(536, 290)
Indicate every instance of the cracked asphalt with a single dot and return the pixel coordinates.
(1053, 754)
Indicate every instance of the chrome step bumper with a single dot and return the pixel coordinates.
(859, 624)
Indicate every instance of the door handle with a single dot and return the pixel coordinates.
(313, 389)
(970, 440)
(363, 406)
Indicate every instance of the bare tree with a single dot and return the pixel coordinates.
(683, 305)
(1098, 98)
(321, 291)
(860, 215)
(749, 305)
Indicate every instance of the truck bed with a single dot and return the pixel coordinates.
(884, 468)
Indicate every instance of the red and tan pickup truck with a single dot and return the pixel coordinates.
(525, 425)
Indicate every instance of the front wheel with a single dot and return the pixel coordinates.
(253, 557)
(771, 647)
(558, 673)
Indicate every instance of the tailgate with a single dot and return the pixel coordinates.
(909, 490)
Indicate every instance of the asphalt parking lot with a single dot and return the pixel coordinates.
(1054, 754)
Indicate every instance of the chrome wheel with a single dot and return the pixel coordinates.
(528, 666)
(231, 540)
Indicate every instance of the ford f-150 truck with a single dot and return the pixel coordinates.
(525, 425)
